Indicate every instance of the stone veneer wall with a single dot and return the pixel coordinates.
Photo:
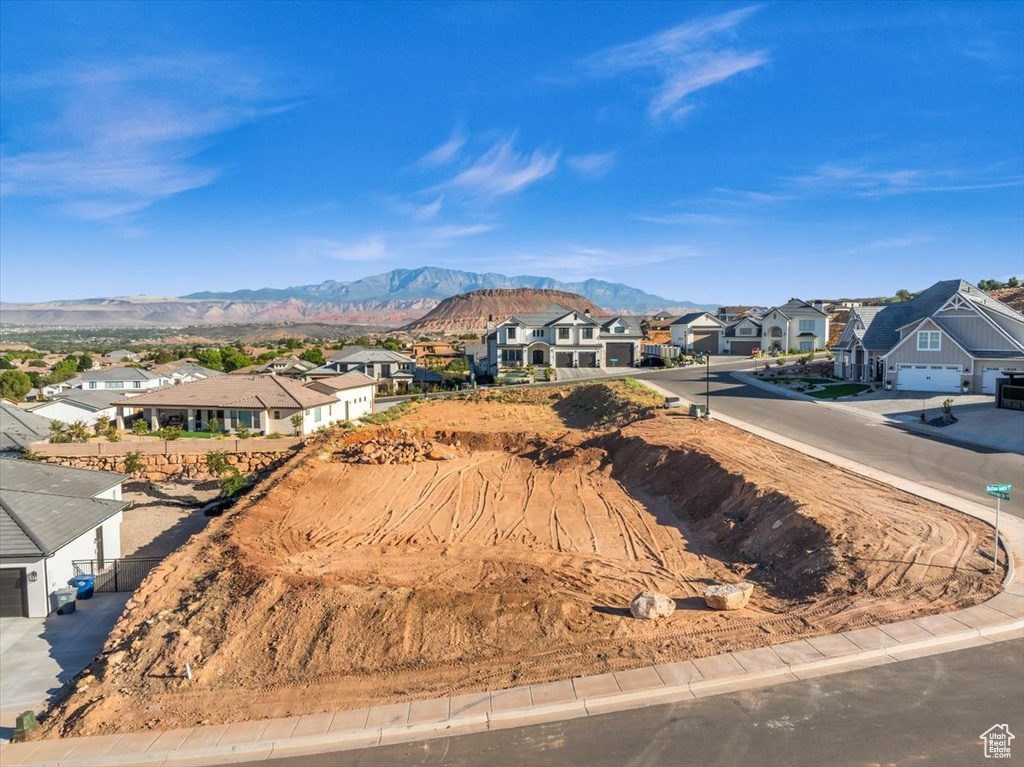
(160, 467)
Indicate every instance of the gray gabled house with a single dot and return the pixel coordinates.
(952, 337)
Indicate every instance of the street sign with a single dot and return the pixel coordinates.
(999, 491)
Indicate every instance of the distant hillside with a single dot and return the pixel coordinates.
(1012, 297)
(470, 312)
(394, 298)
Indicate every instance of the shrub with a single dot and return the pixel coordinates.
(243, 432)
(232, 483)
(170, 433)
(274, 435)
(140, 427)
(133, 463)
(217, 462)
(78, 432)
(59, 431)
(112, 435)
(213, 425)
(102, 425)
(297, 423)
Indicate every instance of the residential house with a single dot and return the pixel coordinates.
(184, 371)
(50, 517)
(19, 428)
(83, 405)
(564, 337)
(122, 355)
(116, 379)
(434, 354)
(290, 366)
(953, 337)
(795, 325)
(728, 314)
(390, 369)
(259, 403)
(743, 336)
(699, 332)
(356, 392)
(476, 357)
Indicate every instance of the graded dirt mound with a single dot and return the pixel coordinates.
(514, 562)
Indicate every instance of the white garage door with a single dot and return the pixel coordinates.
(989, 376)
(942, 378)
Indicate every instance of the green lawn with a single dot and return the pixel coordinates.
(191, 434)
(839, 390)
(802, 380)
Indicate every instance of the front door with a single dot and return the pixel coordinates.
(538, 356)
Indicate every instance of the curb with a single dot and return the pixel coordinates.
(1001, 618)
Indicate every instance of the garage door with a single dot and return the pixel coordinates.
(12, 593)
(588, 359)
(743, 347)
(563, 359)
(989, 376)
(619, 355)
(939, 378)
(706, 341)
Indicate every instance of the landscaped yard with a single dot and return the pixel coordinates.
(839, 390)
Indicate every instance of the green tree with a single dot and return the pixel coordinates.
(161, 357)
(78, 432)
(297, 423)
(217, 462)
(209, 358)
(392, 344)
(140, 427)
(1013, 282)
(233, 358)
(133, 463)
(14, 385)
(59, 431)
(84, 363)
(6, 364)
(314, 355)
(903, 295)
(63, 370)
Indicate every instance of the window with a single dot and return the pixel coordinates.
(745, 331)
(588, 333)
(92, 384)
(619, 329)
(512, 356)
(563, 333)
(114, 385)
(806, 346)
(929, 341)
(136, 384)
(316, 415)
(538, 332)
(806, 325)
(246, 418)
(277, 415)
(511, 333)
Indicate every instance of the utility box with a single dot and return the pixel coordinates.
(698, 411)
(66, 600)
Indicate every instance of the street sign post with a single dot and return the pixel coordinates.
(1001, 493)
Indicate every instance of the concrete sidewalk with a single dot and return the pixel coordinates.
(1000, 618)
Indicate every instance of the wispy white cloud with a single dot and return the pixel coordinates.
(444, 153)
(501, 170)
(866, 182)
(455, 231)
(591, 165)
(587, 260)
(681, 60)
(129, 133)
(687, 219)
(370, 248)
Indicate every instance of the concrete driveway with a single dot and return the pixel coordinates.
(38, 655)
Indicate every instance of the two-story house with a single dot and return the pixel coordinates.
(795, 325)
(566, 338)
(130, 379)
(953, 337)
(390, 369)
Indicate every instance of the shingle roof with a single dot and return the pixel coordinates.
(19, 428)
(85, 399)
(794, 307)
(257, 392)
(686, 319)
(364, 356)
(33, 477)
(632, 323)
(186, 369)
(552, 314)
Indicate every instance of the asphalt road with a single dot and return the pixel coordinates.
(926, 712)
(953, 467)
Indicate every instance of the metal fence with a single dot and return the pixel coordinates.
(116, 574)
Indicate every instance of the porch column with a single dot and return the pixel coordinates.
(119, 418)
(191, 419)
(265, 422)
(154, 421)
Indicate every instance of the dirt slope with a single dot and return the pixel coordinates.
(469, 312)
(513, 562)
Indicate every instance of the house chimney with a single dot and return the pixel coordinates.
(586, 312)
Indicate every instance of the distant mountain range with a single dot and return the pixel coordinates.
(393, 298)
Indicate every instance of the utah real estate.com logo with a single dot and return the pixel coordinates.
(997, 741)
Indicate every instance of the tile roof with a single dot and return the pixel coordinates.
(19, 428)
(252, 392)
(345, 381)
(44, 507)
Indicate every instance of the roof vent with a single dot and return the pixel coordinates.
(586, 312)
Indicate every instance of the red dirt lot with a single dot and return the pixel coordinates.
(341, 584)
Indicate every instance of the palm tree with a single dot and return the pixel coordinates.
(58, 431)
(78, 432)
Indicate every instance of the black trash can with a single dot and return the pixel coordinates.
(84, 585)
(66, 600)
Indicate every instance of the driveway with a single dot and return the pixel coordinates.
(38, 655)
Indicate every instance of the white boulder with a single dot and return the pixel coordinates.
(649, 606)
(728, 596)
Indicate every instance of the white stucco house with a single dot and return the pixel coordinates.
(795, 325)
(562, 337)
(50, 517)
(260, 403)
(111, 379)
(699, 332)
(79, 405)
(389, 368)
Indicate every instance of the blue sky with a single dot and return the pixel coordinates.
(707, 151)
